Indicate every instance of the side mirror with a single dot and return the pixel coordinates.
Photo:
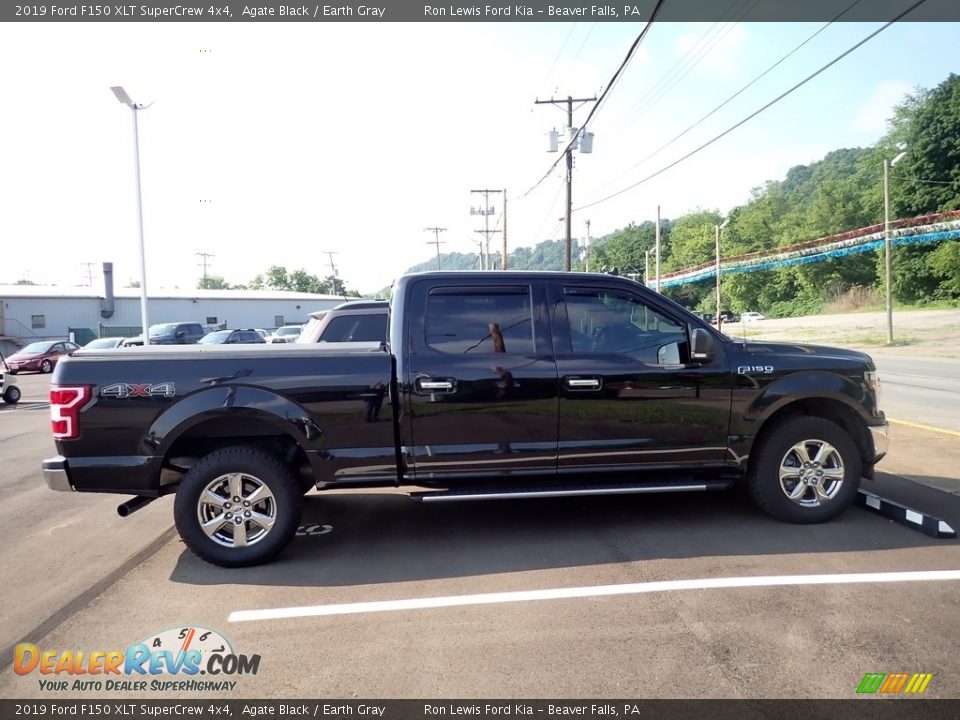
(703, 346)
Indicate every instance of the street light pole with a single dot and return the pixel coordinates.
(122, 96)
(887, 242)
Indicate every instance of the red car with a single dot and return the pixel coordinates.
(40, 356)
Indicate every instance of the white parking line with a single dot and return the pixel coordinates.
(597, 591)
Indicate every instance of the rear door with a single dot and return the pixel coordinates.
(630, 399)
(481, 382)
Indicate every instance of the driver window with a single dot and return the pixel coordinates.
(604, 322)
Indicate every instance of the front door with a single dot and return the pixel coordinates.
(629, 396)
(481, 386)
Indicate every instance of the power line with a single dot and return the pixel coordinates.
(562, 48)
(89, 273)
(486, 211)
(737, 93)
(436, 240)
(682, 67)
(204, 255)
(603, 95)
(757, 112)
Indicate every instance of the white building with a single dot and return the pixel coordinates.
(40, 312)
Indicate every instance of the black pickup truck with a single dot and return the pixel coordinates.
(493, 385)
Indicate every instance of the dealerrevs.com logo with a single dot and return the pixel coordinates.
(178, 659)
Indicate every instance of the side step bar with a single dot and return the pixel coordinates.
(502, 493)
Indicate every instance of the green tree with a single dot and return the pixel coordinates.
(213, 282)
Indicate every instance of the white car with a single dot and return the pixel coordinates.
(285, 334)
(751, 316)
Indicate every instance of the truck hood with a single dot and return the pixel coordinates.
(782, 349)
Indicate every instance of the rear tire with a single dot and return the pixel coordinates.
(12, 395)
(238, 506)
(806, 470)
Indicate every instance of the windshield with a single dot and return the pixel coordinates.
(285, 331)
(215, 338)
(36, 348)
(162, 329)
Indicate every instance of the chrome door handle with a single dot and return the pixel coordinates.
(436, 385)
(583, 383)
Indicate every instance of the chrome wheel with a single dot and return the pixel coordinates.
(811, 473)
(236, 510)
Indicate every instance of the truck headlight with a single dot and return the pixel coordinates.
(873, 382)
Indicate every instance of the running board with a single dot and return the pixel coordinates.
(567, 491)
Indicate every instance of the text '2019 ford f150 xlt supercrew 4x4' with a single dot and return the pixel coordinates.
(493, 385)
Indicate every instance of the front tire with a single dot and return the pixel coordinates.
(806, 470)
(46, 367)
(238, 506)
(12, 395)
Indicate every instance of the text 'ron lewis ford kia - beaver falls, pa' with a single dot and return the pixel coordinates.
(524, 385)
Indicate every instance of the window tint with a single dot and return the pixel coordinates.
(606, 322)
(480, 322)
(356, 328)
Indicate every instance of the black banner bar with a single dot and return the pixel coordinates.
(466, 11)
(864, 708)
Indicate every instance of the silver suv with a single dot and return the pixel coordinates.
(362, 321)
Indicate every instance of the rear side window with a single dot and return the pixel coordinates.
(478, 321)
(356, 328)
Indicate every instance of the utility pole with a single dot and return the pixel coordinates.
(503, 262)
(588, 147)
(436, 240)
(646, 268)
(89, 273)
(586, 257)
(658, 249)
(333, 271)
(486, 211)
(204, 255)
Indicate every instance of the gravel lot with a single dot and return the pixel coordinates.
(932, 333)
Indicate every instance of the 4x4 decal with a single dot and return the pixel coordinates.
(127, 390)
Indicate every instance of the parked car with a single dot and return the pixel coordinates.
(8, 384)
(285, 334)
(752, 317)
(40, 356)
(104, 343)
(262, 333)
(496, 387)
(363, 321)
(728, 316)
(173, 333)
(232, 337)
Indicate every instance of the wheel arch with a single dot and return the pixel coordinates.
(836, 409)
(229, 415)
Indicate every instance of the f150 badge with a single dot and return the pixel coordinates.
(127, 390)
(751, 369)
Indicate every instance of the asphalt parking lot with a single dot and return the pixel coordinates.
(631, 597)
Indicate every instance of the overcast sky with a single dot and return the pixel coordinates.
(267, 144)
